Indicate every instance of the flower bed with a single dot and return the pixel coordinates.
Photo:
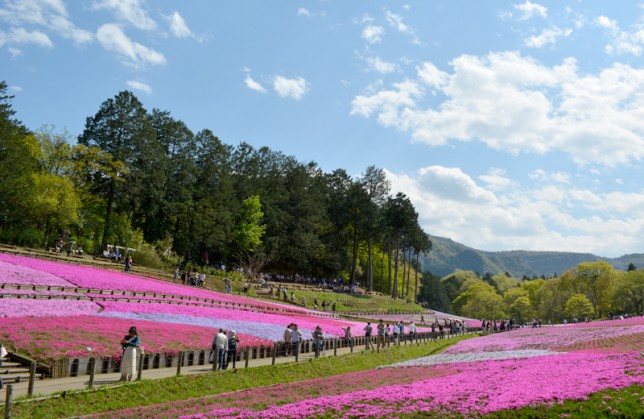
(78, 336)
(476, 376)
(172, 319)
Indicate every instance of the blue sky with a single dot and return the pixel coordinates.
(510, 125)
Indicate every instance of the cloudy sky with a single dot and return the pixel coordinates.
(510, 125)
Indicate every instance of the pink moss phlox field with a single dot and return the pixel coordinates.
(285, 393)
(21, 307)
(59, 337)
(11, 273)
(97, 278)
(546, 337)
(478, 387)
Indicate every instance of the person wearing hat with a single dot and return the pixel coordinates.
(129, 343)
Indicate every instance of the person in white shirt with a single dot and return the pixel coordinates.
(219, 345)
(412, 331)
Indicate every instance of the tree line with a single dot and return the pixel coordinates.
(589, 290)
(143, 180)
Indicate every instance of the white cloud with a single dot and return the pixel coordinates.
(543, 176)
(140, 86)
(622, 42)
(396, 21)
(607, 23)
(495, 180)
(303, 12)
(46, 14)
(496, 217)
(15, 52)
(253, 85)
(130, 11)
(518, 105)
(15, 88)
(178, 25)
(293, 88)
(21, 36)
(373, 34)
(387, 103)
(432, 75)
(383, 67)
(131, 53)
(529, 10)
(547, 36)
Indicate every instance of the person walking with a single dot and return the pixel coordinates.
(128, 263)
(129, 343)
(367, 336)
(381, 334)
(348, 337)
(231, 353)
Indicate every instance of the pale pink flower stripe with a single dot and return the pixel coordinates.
(11, 273)
(548, 338)
(480, 387)
(329, 326)
(21, 307)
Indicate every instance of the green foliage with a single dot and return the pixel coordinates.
(249, 230)
(628, 293)
(579, 307)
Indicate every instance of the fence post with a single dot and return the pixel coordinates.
(274, 353)
(215, 358)
(247, 357)
(297, 351)
(32, 379)
(92, 372)
(140, 367)
(8, 401)
(180, 361)
(335, 347)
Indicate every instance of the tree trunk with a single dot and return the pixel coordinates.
(382, 273)
(417, 265)
(370, 264)
(354, 258)
(395, 293)
(404, 272)
(408, 275)
(389, 282)
(108, 217)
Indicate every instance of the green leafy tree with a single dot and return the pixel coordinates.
(249, 228)
(400, 217)
(122, 127)
(18, 162)
(521, 309)
(628, 293)
(578, 307)
(433, 292)
(375, 183)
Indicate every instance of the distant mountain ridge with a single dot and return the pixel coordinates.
(447, 256)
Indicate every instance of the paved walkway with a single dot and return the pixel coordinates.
(48, 387)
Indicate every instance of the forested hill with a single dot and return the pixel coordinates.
(447, 256)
